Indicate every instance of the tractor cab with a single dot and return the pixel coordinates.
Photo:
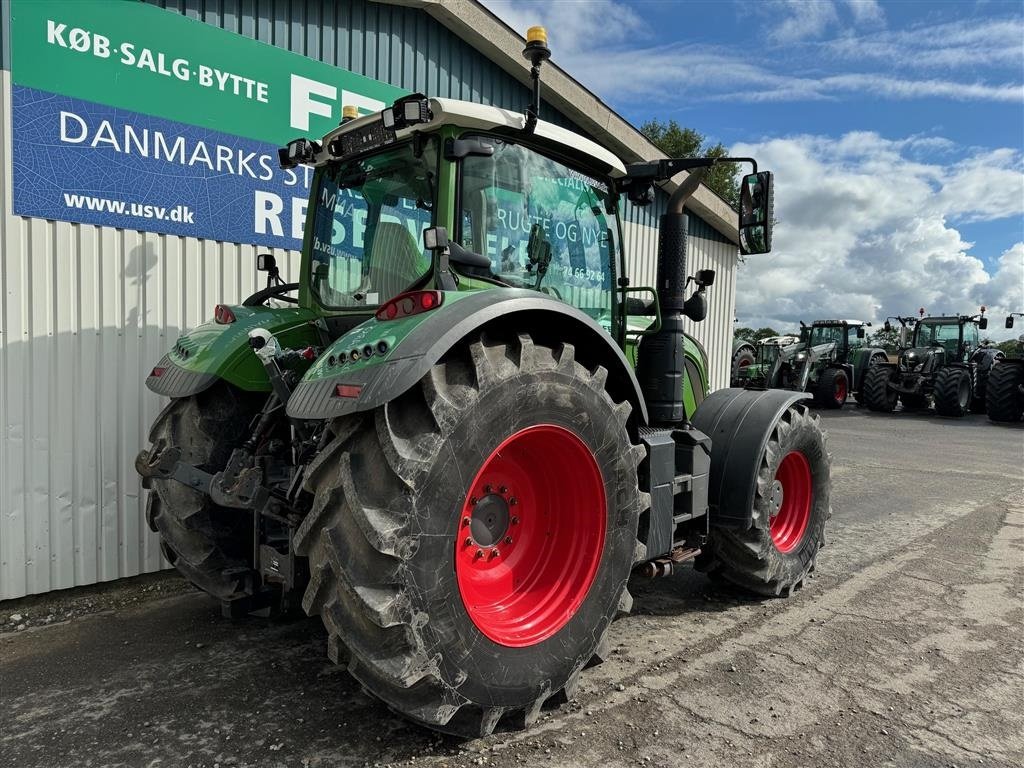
(835, 339)
(943, 340)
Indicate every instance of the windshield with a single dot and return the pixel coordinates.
(825, 334)
(542, 224)
(935, 334)
(367, 243)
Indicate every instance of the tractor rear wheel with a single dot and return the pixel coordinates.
(792, 504)
(832, 389)
(878, 396)
(211, 546)
(470, 541)
(741, 358)
(952, 393)
(1004, 398)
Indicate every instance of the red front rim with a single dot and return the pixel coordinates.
(841, 389)
(791, 501)
(530, 535)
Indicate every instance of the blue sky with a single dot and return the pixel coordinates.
(910, 114)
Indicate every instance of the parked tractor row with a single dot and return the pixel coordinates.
(459, 439)
(940, 363)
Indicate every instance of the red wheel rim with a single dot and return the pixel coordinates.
(791, 501)
(530, 535)
(840, 389)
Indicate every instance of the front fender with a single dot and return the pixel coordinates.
(739, 423)
(414, 344)
(215, 351)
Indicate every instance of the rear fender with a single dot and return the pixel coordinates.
(860, 361)
(414, 344)
(215, 351)
(739, 423)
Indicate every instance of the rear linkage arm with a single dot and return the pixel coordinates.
(240, 483)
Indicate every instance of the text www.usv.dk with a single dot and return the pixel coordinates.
(180, 213)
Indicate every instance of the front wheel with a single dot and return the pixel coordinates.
(470, 541)
(832, 388)
(791, 507)
(1005, 395)
(952, 394)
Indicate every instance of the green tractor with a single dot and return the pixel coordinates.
(1004, 400)
(829, 359)
(943, 362)
(457, 449)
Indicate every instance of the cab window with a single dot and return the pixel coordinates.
(542, 224)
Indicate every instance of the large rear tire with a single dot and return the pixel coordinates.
(1004, 401)
(470, 541)
(952, 395)
(792, 505)
(211, 546)
(832, 389)
(878, 396)
(741, 358)
(858, 395)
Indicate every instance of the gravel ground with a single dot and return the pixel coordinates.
(906, 650)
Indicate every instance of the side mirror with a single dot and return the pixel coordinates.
(887, 326)
(860, 332)
(435, 238)
(696, 307)
(265, 262)
(1009, 321)
(756, 202)
(297, 152)
(705, 277)
(983, 323)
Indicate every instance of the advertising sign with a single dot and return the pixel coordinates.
(127, 115)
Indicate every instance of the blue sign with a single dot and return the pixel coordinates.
(76, 160)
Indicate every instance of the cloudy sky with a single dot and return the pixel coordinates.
(895, 130)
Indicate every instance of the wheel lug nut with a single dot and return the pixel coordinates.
(468, 542)
(487, 489)
(465, 521)
(479, 553)
(495, 552)
(515, 521)
(503, 490)
(513, 501)
(508, 539)
(473, 500)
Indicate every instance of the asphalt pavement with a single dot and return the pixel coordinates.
(906, 650)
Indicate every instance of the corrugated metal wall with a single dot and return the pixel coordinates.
(85, 311)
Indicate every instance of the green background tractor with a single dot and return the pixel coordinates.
(829, 359)
(458, 442)
(942, 363)
(1004, 400)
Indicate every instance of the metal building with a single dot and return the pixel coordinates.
(86, 308)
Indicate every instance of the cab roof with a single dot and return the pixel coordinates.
(482, 117)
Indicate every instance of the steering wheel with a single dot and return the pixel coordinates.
(273, 292)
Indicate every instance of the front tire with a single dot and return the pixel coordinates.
(792, 504)
(1004, 400)
(832, 389)
(211, 546)
(470, 542)
(952, 394)
(878, 395)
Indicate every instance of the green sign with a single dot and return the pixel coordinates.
(129, 54)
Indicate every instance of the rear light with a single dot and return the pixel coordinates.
(222, 314)
(347, 390)
(157, 372)
(411, 303)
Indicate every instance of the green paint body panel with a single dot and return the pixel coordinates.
(223, 349)
(372, 332)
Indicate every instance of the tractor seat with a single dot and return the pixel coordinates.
(396, 260)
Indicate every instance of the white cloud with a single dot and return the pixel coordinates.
(867, 231)
(797, 20)
(866, 11)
